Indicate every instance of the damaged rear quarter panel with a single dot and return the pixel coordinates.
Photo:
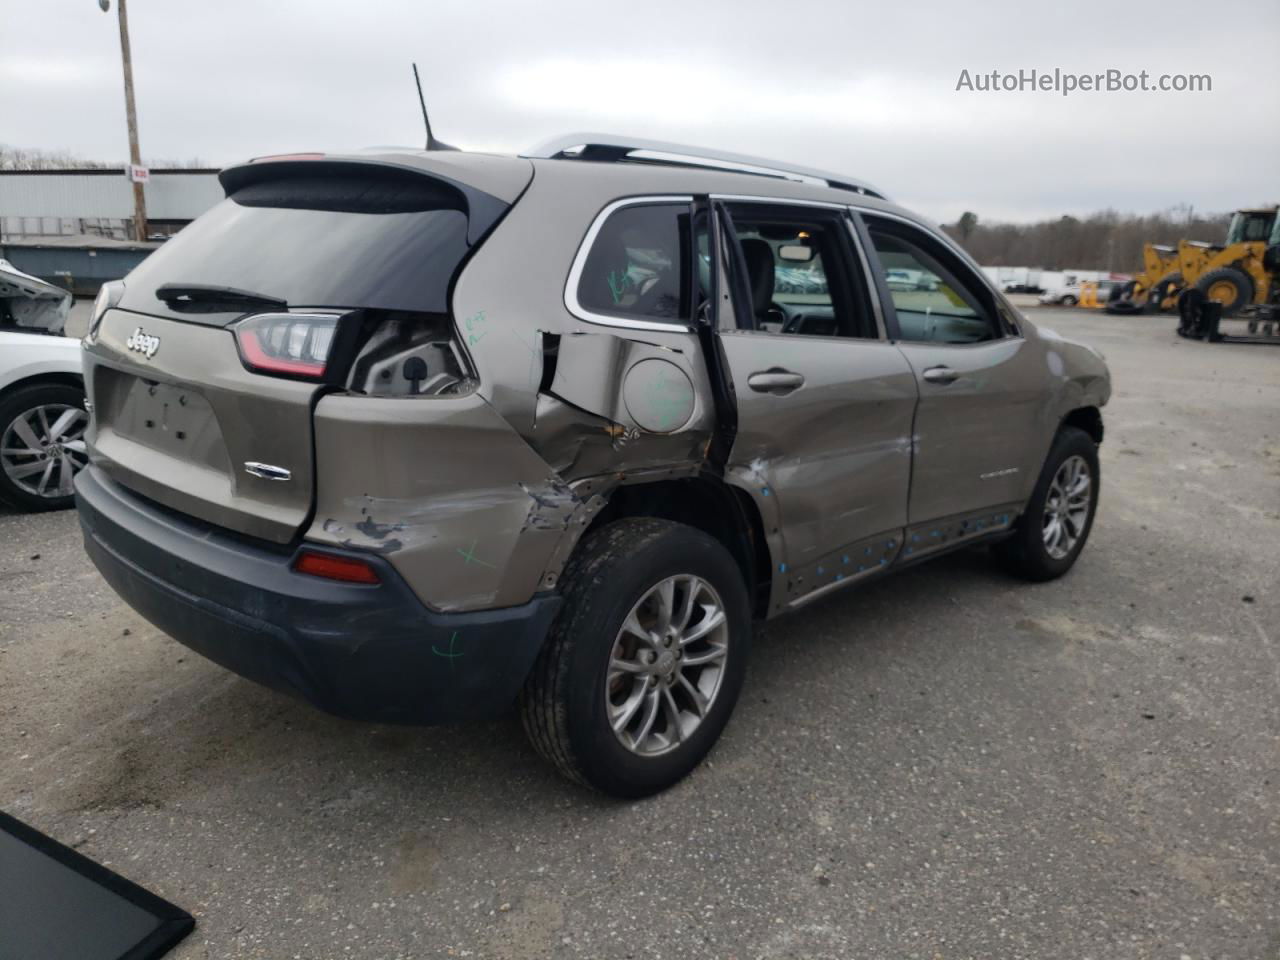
(613, 405)
(443, 488)
(472, 498)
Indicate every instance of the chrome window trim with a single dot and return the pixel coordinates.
(873, 295)
(975, 268)
(580, 260)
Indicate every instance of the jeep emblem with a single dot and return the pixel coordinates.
(143, 343)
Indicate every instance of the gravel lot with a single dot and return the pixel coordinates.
(946, 764)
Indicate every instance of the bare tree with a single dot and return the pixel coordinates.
(29, 158)
(1100, 241)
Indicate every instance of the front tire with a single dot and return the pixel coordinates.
(1056, 523)
(645, 661)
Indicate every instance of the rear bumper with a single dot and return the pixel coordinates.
(365, 652)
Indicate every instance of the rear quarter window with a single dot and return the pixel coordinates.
(636, 266)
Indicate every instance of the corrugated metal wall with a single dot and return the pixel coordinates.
(81, 270)
(171, 195)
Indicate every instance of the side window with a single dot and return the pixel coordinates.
(636, 265)
(932, 304)
(800, 272)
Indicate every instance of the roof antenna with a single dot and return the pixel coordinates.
(432, 142)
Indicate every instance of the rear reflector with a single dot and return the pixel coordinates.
(287, 344)
(334, 567)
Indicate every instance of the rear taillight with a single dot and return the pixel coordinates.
(287, 344)
(332, 566)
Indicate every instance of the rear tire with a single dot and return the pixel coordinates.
(35, 466)
(1028, 554)
(1069, 301)
(575, 696)
(1228, 286)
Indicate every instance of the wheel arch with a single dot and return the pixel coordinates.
(1088, 419)
(40, 379)
(705, 503)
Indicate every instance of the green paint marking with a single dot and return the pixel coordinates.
(452, 654)
(619, 281)
(477, 319)
(470, 555)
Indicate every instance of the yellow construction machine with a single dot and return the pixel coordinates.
(1241, 273)
(1235, 274)
(1158, 283)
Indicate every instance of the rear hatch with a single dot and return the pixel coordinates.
(205, 371)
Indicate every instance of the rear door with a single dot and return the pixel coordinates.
(205, 374)
(824, 402)
(979, 427)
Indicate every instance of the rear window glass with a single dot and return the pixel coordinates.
(319, 242)
(635, 268)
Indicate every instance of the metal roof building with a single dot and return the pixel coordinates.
(43, 203)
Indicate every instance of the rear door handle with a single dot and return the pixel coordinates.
(775, 380)
(940, 375)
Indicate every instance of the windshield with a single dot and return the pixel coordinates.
(1250, 227)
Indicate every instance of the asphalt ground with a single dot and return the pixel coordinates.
(944, 764)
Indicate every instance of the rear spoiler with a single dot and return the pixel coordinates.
(405, 188)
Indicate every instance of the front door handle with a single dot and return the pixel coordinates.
(775, 380)
(940, 375)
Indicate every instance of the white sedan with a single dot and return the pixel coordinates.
(42, 414)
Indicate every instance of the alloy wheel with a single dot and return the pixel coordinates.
(1066, 508)
(666, 665)
(43, 448)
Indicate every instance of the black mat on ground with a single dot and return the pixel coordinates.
(58, 905)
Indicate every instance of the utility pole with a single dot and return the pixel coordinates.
(135, 155)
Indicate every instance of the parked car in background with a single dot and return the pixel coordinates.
(1069, 293)
(42, 414)
(553, 431)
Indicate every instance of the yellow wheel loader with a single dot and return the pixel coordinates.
(1235, 274)
(1158, 283)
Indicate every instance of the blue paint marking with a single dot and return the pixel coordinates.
(892, 544)
(839, 576)
(868, 551)
(846, 559)
(908, 549)
(764, 491)
(883, 561)
(933, 533)
(861, 568)
(819, 570)
(782, 568)
(915, 537)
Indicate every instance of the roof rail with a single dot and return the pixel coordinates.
(608, 147)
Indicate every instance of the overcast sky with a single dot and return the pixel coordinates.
(864, 88)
